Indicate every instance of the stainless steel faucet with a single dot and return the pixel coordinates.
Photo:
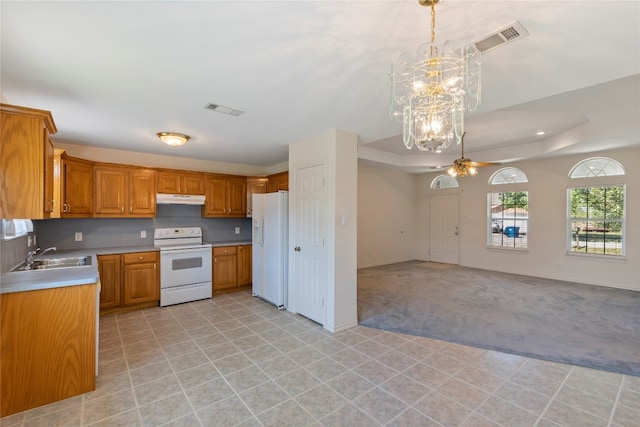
(31, 254)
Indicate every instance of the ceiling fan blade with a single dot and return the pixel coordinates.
(485, 163)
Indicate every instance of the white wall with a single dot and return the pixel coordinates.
(546, 255)
(388, 216)
(337, 150)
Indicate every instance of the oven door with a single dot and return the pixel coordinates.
(180, 267)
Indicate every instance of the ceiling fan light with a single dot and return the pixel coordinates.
(173, 139)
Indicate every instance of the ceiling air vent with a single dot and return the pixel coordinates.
(507, 34)
(224, 110)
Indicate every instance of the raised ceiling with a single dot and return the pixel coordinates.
(115, 73)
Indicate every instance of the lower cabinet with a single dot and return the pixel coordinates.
(231, 268)
(129, 281)
(48, 341)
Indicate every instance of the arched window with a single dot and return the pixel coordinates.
(508, 211)
(596, 166)
(508, 176)
(444, 181)
(595, 212)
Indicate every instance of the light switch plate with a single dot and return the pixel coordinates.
(143, 234)
(78, 236)
(237, 230)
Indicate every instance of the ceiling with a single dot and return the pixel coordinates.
(115, 73)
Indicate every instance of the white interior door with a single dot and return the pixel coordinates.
(443, 229)
(310, 255)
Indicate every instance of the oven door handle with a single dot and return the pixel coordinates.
(182, 251)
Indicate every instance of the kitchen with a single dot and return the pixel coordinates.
(130, 246)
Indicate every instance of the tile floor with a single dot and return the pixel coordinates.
(235, 360)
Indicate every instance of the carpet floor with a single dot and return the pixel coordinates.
(567, 322)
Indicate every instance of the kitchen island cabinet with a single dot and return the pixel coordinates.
(48, 341)
(26, 162)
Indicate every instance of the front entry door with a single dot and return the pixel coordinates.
(309, 256)
(443, 229)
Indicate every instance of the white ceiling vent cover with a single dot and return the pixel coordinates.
(224, 110)
(507, 34)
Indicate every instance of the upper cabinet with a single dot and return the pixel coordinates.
(76, 188)
(278, 181)
(125, 192)
(255, 186)
(178, 182)
(26, 162)
(226, 196)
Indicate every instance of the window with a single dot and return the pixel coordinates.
(508, 211)
(509, 216)
(596, 223)
(508, 176)
(597, 166)
(444, 181)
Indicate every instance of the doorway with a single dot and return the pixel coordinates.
(444, 229)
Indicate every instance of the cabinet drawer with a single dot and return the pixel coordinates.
(140, 257)
(224, 250)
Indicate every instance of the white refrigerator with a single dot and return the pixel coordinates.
(270, 257)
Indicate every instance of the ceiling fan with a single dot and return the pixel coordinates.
(464, 166)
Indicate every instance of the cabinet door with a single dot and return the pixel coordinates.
(140, 283)
(142, 192)
(254, 186)
(279, 181)
(237, 197)
(224, 268)
(193, 184)
(111, 191)
(48, 173)
(78, 188)
(244, 265)
(216, 197)
(169, 183)
(110, 281)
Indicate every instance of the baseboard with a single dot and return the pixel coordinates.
(341, 328)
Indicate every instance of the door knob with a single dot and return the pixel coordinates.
(297, 249)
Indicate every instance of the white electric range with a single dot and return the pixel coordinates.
(185, 265)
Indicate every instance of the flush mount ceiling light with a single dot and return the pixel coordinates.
(432, 88)
(172, 138)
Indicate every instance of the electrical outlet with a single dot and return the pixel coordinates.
(78, 236)
(237, 230)
(143, 234)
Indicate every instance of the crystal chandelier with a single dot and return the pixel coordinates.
(431, 89)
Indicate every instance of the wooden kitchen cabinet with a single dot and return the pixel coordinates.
(255, 186)
(109, 268)
(125, 192)
(141, 279)
(244, 265)
(48, 341)
(278, 181)
(224, 269)
(76, 181)
(129, 281)
(26, 162)
(226, 196)
(177, 182)
(231, 268)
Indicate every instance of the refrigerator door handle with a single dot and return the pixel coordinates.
(262, 231)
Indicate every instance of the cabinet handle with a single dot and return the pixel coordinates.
(122, 209)
(64, 208)
(154, 265)
(69, 209)
(131, 209)
(215, 260)
(140, 257)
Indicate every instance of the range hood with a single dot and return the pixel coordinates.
(179, 199)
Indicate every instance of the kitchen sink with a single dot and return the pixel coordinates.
(47, 263)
